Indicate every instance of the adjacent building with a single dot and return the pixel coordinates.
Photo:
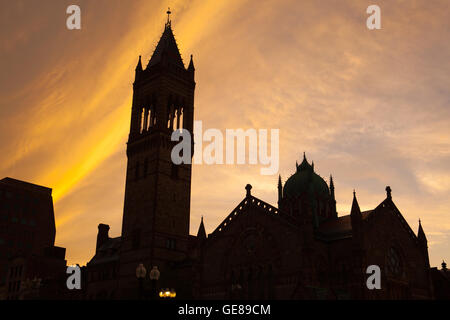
(30, 264)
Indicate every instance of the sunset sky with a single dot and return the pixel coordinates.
(370, 107)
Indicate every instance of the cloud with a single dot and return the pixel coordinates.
(370, 107)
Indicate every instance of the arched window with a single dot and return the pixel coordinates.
(394, 262)
(170, 117)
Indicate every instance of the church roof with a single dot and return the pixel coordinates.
(255, 202)
(305, 180)
(341, 227)
(167, 46)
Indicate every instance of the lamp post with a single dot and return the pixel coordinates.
(154, 277)
(141, 272)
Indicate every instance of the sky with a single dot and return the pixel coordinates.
(371, 107)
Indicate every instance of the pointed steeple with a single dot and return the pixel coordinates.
(421, 234)
(167, 48)
(201, 234)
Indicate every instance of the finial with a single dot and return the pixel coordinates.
(304, 155)
(354, 193)
(168, 16)
(444, 265)
(388, 192)
(248, 187)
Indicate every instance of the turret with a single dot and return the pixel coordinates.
(333, 199)
(355, 214)
(191, 67)
(201, 234)
(280, 191)
(139, 65)
(423, 242)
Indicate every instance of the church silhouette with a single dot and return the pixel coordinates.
(300, 250)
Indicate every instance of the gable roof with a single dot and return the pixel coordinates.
(251, 201)
(341, 228)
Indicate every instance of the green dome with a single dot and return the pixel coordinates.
(305, 180)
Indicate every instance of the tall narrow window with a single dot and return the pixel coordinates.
(141, 121)
(169, 120)
(150, 118)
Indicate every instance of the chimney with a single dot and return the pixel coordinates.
(102, 235)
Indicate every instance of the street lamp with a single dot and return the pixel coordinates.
(141, 272)
(166, 293)
(154, 277)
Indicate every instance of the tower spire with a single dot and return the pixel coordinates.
(333, 198)
(421, 234)
(356, 217)
(331, 186)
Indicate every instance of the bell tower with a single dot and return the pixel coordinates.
(155, 226)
